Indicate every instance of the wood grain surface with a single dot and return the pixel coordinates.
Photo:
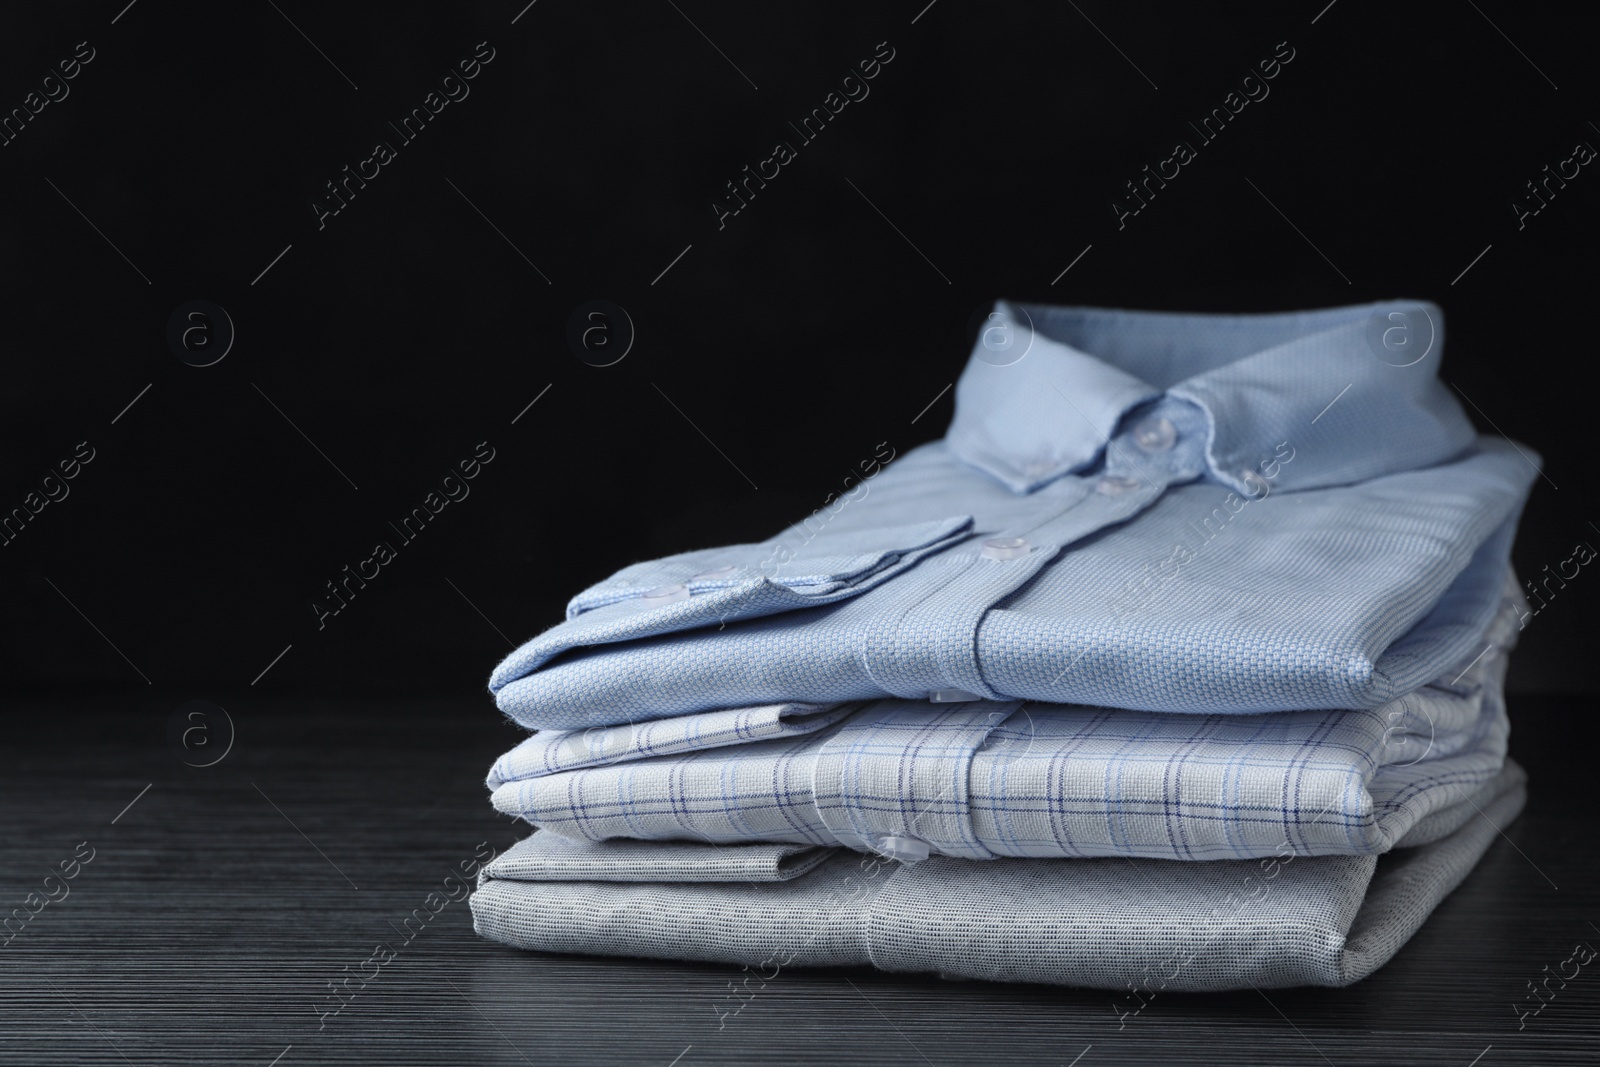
(218, 907)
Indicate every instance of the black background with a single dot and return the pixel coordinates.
(796, 338)
(828, 316)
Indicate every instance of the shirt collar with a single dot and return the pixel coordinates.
(1357, 386)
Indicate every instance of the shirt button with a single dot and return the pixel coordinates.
(714, 573)
(902, 848)
(1155, 435)
(1111, 485)
(665, 594)
(1004, 548)
(952, 696)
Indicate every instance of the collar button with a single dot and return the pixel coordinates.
(1155, 435)
(1111, 485)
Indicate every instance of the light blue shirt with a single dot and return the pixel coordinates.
(1216, 514)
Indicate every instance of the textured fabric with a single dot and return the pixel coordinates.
(1157, 924)
(1222, 514)
(1259, 379)
(982, 779)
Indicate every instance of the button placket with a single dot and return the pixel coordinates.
(1162, 446)
(1155, 435)
(932, 644)
(855, 772)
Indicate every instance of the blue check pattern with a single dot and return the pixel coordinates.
(1115, 924)
(983, 780)
(554, 751)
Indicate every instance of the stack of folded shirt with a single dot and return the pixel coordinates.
(1179, 660)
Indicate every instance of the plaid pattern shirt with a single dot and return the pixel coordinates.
(1120, 924)
(982, 780)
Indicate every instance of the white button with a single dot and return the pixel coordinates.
(665, 594)
(1155, 435)
(902, 848)
(718, 572)
(1111, 485)
(952, 696)
(1004, 548)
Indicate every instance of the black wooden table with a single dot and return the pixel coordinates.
(220, 903)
